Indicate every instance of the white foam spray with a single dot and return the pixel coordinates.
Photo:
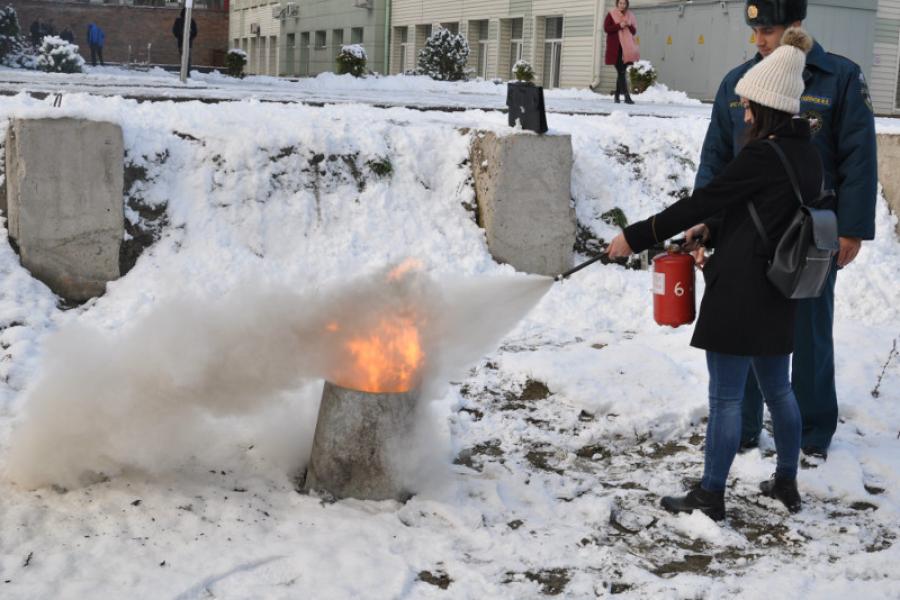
(193, 382)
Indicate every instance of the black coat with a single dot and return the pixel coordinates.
(178, 30)
(741, 312)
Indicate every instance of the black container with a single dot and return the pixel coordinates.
(526, 106)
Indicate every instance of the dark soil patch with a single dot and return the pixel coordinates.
(469, 456)
(589, 452)
(534, 390)
(619, 588)
(664, 450)
(540, 459)
(438, 579)
(692, 563)
(874, 490)
(552, 581)
(863, 506)
(515, 524)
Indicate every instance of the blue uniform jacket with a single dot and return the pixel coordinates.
(837, 101)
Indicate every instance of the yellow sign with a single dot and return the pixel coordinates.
(753, 38)
(700, 40)
(752, 11)
(637, 40)
(669, 41)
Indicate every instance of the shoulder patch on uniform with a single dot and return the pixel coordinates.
(819, 100)
(864, 90)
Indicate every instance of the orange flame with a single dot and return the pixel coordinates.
(387, 360)
(398, 272)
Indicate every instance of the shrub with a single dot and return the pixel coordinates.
(641, 75)
(523, 71)
(59, 56)
(444, 56)
(352, 60)
(235, 61)
(13, 50)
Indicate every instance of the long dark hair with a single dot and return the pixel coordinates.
(627, 5)
(766, 121)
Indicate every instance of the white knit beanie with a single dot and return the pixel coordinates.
(777, 80)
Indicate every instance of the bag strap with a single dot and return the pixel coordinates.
(793, 177)
(790, 170)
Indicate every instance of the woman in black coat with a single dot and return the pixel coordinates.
(745, 322)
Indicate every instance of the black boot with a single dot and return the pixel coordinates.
(628, 99)
(712, 504)
(783, 490)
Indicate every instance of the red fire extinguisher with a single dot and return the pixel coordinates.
(673, 288)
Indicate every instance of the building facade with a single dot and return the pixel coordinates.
(137, 31)
(303, 37)
(558, 37)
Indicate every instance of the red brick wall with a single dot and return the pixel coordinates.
(135, 25)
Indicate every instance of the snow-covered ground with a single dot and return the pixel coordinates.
(413, 91)
(552, 450)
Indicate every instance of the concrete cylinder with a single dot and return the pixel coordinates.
(355, 449)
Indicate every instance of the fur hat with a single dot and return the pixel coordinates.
(777, 80)
(763, 13)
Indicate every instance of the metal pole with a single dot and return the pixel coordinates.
(186, 39)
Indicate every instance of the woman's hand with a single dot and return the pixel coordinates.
(619, 248)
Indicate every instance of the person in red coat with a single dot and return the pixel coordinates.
(621, 48)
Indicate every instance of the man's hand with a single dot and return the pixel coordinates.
(849, 249)
(696, 236)
(619, 248)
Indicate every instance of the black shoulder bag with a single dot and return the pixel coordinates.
(802, 260)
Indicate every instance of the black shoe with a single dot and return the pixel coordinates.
(618, 101)
(712, 504)
(628, 100)
(815, 452)
(783, 490)
(747, 445)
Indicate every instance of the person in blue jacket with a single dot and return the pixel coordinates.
(837, 102)
(96, 38)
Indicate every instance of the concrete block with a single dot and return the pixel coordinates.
(360, 436)
(889, 170)
(64, 181)
(523, 187)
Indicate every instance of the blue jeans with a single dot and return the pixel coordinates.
(727, 378)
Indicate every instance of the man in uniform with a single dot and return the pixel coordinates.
(836, 100)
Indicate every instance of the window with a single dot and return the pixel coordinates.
(289, 54)
(516, 42)
(553, 31)
(320, 40)
(337, 38)
(356, 35)
(405, 49)
(479, 31)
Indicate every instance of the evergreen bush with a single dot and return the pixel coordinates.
(641, 75)
(235, 61)
(444, 56)
(523, 71)
(13, 49)
(56, 55)
(352, 60)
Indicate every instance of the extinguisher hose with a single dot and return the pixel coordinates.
(604, 258)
